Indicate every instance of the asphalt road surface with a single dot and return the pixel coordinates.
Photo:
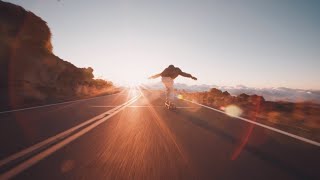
(131, 135)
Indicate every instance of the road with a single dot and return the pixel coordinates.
(139, 139)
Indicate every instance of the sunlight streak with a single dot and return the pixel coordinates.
(166, 131)
(246, 137)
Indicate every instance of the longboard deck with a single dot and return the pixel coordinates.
(170, 106)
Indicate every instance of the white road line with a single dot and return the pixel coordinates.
(56, 137)
(143, 107)
(102, 106)
(262, 125)
(33, 160)
(54, 104)
(185, 107)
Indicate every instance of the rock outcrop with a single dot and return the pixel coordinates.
(29, 71)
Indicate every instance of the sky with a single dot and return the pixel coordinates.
(274, 43)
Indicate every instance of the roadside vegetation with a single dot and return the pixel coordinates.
(299, 118)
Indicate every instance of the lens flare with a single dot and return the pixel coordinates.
(180, 96)
(233, 111)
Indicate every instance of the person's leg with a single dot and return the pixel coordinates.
(166, 84)
(168, 93)
(170, 90)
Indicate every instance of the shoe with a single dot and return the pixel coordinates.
(173, 106)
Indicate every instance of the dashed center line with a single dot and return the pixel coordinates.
(182, 107)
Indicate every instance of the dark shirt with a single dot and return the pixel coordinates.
(174, 72)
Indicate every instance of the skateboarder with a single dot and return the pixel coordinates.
(167, 77)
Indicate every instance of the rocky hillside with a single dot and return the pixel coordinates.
(29, 71)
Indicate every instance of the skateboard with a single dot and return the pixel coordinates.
(170, 105)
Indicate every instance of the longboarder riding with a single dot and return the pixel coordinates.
(167, 77)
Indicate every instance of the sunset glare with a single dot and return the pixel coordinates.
(257, 44)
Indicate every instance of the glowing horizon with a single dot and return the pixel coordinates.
(257, 44)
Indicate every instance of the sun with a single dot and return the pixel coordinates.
(133, 83)
(133, 79)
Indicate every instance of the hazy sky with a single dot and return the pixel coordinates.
(254, 43)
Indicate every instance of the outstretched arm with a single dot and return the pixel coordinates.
(187, 75)
(155, 76)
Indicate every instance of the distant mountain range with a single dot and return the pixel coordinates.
(270, 94)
